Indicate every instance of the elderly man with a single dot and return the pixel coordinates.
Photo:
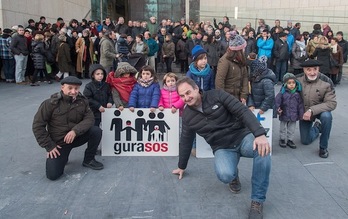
(64, 122)
(319, 100)
(232, 132)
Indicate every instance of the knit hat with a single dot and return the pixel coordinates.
(237, 42)
(7, 31)
(124, 67)
(196, 51)
(95, 67)
(288, 76)
(257, 67)
(71, 80)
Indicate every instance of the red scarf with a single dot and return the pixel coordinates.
(124, 86)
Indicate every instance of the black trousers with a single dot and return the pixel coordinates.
(55, 166)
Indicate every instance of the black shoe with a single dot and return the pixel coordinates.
(93, 164)
(323, 153)
(282, 143)
(235, 185)
(318, 125)
(256, 210)
(291, 144)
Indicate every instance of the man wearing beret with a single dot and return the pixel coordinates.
(64, 122)
(319, 100)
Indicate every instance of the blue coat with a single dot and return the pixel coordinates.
(204, 79)
(265, 47)
(291, 104)
(145, 97)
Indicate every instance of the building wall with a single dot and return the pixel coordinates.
(334, 12)
(14, 12)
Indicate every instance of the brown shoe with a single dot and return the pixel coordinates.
(235, 185)
(256, 210)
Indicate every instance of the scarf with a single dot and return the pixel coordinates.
(334, 48)
(124, 86)
(172, 88)
(145, 83)
(199, 73)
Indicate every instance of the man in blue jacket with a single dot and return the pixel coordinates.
(153, 48)
(232, 131)
(265, 45)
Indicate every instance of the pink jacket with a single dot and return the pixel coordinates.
(171, 98)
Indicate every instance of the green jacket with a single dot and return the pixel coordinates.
(59, 115)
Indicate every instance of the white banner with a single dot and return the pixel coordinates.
(203, 149)
(140, 133)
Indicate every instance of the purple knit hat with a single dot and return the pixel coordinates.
(237, 42)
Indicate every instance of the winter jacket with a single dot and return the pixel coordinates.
(169, 99)
(224, 122)
(262, 91)
(143, 45)
(251, 46)
(80, 50)
(299, 55)
(38, 55)
(213, 52)
(59, 115)
(338, 56)
(64, 58)
(291, 105)
(204, 78)
(318, 95)
(265, 47)
(107, 52)
(181, 49)
(281, 50)
(344, 45)
(122, 46)
(98, 94)
(153, 46)
(232, 77)
(19, 45)
(323, 56)
(168, 49)
(145, 97)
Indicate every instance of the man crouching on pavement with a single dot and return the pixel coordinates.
(232, 132)
(64, 122)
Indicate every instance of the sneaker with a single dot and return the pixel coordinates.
(282, 143)
(235, 185)
(93, 164)
(256, 210)
(318, 125)
(323, 153)
(291, 144)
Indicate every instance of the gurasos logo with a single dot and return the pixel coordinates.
(140, 147)
(142, 135)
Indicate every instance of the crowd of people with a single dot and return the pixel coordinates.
(229, 74)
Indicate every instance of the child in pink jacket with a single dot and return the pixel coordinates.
(170, 98)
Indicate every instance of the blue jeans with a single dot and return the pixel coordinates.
(226, 162)
(280, 70)
(309, 133)
(21, 66)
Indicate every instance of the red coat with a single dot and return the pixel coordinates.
(171, 98)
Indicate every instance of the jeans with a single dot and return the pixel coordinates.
(309, 133)
(55, 166)
(21, 66)
(9, 68)
(280, 70)
(226, 162)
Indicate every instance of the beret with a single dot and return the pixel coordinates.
(311, 63)
(71, 80)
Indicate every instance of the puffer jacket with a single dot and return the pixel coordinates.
(204, 78)
(59, 115)
(262, 91)
(224, 122)
(232, 78)
(38, 55)
(318, 95)
(170, 98)
(145, 97)
(291, 105)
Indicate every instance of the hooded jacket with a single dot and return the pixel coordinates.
(204, 78)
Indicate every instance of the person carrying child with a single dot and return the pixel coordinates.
(146, 92)
(98, 92)
(290, 108)
(122, 82)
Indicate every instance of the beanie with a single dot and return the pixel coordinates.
(94, 67)
(196, 51)
(288, 76)
(124, 67)
(237, 42)
(257, 67)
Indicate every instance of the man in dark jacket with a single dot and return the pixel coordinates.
(281, 56)
(64, 122)
(344, 45)
(232, 131)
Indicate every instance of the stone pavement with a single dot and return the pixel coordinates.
(302, 185)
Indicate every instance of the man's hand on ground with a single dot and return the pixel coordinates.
(179, 172)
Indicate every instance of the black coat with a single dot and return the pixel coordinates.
(39, 54)
(281, 50)
(323, 56)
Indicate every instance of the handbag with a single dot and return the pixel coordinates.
(333, 62)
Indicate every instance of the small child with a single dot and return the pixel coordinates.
(169, 96)
(199, 69)
(262, 87)
(98, 92)
(289, 105)
(122, 82)
(146, 92)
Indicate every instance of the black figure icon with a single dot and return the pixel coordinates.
(140, 125)
(128, 130)
(162, 125)
(116, 124)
